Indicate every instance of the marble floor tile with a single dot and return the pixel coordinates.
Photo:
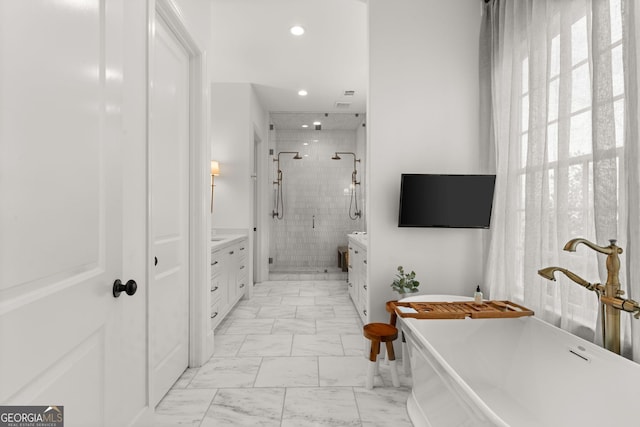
(317, 345)
(285, 290)
(315, 312)
(227, 372)
(246, 407)
(226, 345)
(244, 312)
(261, 301)
(347, 371)
(288, 372)
(294, 326)
(343, 325)
(353, 345)
(223, 326)
(266, 345)
(334, 300)
(333, 285)
(322, 406)
(298, 300)
(183, 407)
(346, 310)
(383, 407)
(250, 326)
(260, 291)
(312, 291)
(185, 378)
(293, 355)
(277, 312)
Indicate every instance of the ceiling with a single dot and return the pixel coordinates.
(252, 43)
(328, 121)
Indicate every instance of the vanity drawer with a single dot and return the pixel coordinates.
(215, 315)
(216, 293)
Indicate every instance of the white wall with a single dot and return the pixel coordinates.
(231, 141)
(422, 118)
(237, 120)
(196, 15)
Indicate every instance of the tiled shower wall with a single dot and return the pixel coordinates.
(316, 193)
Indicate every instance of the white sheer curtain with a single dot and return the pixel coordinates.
(561, 84)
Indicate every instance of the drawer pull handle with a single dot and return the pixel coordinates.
(214, 262)
(365, 287)
(365, 312)
(365, 261)
(242, 249)
(356, 251)
(242, 285)
(214, 314)
(214, 289)
(242, 266)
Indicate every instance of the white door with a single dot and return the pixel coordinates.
(169, 146)
(61, 210)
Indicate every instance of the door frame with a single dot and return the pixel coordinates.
(199, 154)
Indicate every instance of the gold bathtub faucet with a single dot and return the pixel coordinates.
(608, 294)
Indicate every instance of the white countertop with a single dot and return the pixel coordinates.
(363, 239)
(220, 240)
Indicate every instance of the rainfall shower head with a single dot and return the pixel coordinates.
(354, 212)
(296, 156)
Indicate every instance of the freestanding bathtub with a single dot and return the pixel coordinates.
(514, 372)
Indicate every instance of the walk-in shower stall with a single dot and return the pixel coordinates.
(317, 199)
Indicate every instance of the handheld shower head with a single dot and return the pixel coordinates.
(336, 157)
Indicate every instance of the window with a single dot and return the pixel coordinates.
(566, 165)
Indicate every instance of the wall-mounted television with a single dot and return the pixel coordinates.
(451, 201)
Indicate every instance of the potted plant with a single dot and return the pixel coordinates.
(405, 283)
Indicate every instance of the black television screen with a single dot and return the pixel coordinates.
(455, 201)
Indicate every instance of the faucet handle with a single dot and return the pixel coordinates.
(636, 308)
(619, 292)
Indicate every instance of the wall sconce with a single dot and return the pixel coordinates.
(215, 171)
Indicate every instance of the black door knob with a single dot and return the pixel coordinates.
(129, 288)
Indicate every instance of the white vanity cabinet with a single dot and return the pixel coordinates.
(238, 277)
(357, 281)
(219, 289)
(229, 276)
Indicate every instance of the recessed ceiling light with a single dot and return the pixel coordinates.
(302, 92)
(305, 126)
(315, 140)
(305, 143)
(316, 123)
(297, 30)
(306, 155)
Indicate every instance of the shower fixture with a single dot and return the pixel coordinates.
(354, 212)
(278, 202)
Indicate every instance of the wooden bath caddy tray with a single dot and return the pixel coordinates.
(458, 310)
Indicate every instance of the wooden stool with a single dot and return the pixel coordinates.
(391, 309)
(377, 333)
